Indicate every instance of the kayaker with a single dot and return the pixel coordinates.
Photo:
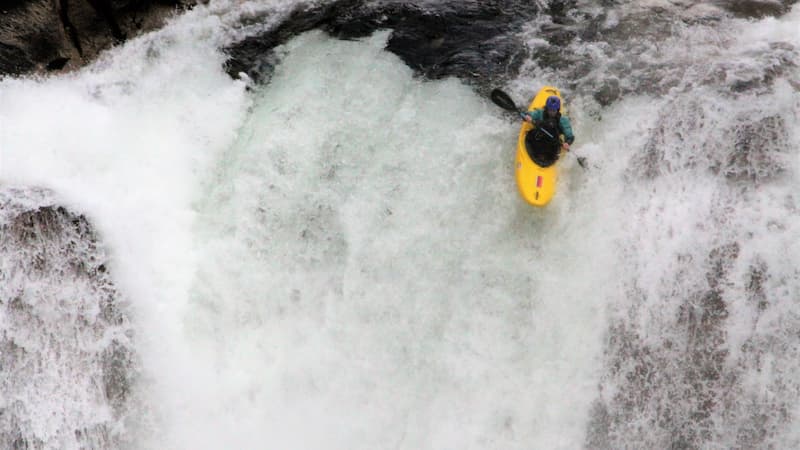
(550, 115)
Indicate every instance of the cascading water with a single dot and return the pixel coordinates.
(339, 259)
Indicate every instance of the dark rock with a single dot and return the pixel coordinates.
(14, 60)
(253, 55)
(558, 9)
(469, 41)
(756, 8)
(57, 64)
(31, 35)
(466, 43)
(52, 35)
(608, 93)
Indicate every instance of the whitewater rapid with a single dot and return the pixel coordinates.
(339, 259)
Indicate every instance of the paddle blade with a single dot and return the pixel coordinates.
(582, 162)
(502, 100)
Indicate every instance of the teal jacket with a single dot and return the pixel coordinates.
(563, 122)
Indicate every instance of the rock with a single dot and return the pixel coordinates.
(38, 36)
(608, 92)
(31, 36)
(757, 8)
(470, 41)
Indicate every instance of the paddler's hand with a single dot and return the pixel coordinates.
(526, 118)
(565, 146)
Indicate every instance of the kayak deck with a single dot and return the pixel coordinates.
(537, 185)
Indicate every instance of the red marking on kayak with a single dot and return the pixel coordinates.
(538, 181)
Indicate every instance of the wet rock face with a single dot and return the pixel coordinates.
(758, 152)
(66, 350)
(51, 35)
(483, 42)
(476, 41)
(679, 382)
(31, 34)
(467, 40)
(613, 48)
(748, 151)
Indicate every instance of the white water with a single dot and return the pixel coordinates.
(340, 259)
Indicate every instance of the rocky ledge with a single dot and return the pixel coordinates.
(471, 40)
(485, 43)
(38, 36)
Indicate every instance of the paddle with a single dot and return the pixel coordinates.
(504, 101)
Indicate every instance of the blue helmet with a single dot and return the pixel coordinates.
(553, 103)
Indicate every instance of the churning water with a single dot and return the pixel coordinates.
(339, 259)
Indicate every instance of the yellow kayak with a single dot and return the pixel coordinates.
(537, 184)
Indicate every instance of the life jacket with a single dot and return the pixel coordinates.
(548, 130)
(543, 143)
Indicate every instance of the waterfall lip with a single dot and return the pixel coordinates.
(472, 41)
(602, 52)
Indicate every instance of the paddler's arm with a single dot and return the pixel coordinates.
(532, 116)
(566, 127)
